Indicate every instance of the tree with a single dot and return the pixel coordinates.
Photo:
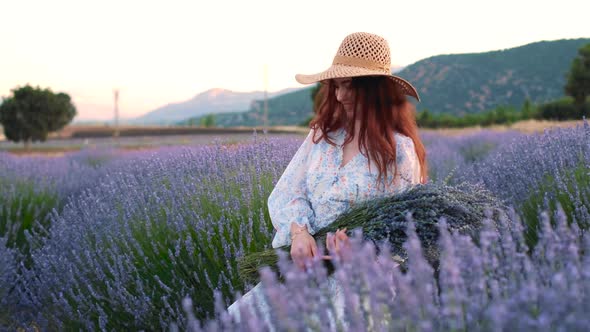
(425, 119)
(578, 81)
(527, 110)
(208, 121)
(30, 114)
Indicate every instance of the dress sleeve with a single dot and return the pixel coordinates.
(407, 163)
(289, 201)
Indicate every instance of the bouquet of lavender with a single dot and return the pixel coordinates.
(385, 219)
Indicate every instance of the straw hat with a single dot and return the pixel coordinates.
(361, 54)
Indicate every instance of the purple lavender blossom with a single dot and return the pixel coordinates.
(157, 227)
(491, 285)
(137, 233)
(516, 168)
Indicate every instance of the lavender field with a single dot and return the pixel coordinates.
(108, 240)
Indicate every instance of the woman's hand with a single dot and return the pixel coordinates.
(303, 246)
(338, 244)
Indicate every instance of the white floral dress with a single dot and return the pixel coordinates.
(314, 189)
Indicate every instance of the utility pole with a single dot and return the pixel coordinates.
(116, 120)
(265, 128)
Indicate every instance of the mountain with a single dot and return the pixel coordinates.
(215, 101)
(453, 83)
(471, 83)
(286, 109)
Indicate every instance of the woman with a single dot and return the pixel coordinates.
(363, 144)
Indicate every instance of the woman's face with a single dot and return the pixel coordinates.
(344, 94)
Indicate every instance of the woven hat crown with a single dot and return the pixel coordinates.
(361, 54)
(364, 49)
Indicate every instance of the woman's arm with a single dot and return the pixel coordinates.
(288, 203)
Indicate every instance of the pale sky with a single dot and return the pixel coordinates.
(159, 52)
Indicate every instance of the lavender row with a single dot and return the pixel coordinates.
(140, 232)
(495, 285)
(537, 172)
(516, 168)
(157, 227)
(449, 156)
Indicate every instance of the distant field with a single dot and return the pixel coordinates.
(75, 137)
(528, 126)
(86, 131)
(89, 131)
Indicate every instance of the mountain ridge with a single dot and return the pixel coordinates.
(488, 79)
(214, 100)
(456, 84)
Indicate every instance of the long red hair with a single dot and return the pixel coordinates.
(387, 111)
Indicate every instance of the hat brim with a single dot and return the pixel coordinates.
(341, 71)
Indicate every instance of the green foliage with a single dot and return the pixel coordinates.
(191, 122)
(528, 110)
(207, 121)
(578, 80)
(563, 109)
(156, 264)
(207, 261)
(558, 110)
(555, 191)
(24, 208)
(500, 115)
(31, 113)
